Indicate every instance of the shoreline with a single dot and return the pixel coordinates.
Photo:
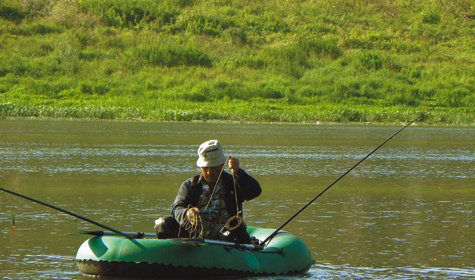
(319, 123)
(256, 111)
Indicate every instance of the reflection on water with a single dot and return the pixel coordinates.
(406, 212)
(401, 162)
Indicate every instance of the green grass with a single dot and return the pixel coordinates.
(290, 61)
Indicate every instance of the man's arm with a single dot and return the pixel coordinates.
(182, 200)
(248, 187)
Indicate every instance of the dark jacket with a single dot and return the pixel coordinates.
(190, 191)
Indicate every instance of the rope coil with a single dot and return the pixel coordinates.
(193, 223)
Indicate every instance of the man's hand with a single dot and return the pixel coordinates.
(233, 165)
(192, 213)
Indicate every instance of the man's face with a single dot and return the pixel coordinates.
(211, 174)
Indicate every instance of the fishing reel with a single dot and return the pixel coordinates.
(231, 224)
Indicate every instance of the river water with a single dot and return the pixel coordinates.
(407, 212)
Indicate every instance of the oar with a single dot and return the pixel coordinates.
(249, 247)
(69, 213)
(344, 174)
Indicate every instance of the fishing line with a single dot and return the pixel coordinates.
(344, 174)
(69, 213)
(216, 185)
(235, 221)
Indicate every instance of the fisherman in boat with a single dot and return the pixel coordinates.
(209, 205)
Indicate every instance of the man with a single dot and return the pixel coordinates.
(205, 205)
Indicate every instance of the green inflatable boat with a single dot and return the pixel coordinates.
(106, 255)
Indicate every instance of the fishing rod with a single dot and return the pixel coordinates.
(70, 213)
(344, 174)
(133, 235)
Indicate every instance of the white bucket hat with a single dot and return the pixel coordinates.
(210, 154)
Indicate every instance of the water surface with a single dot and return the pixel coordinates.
(406, 212)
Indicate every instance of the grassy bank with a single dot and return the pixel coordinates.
(293, 61)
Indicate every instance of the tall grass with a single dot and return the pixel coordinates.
(347, 61)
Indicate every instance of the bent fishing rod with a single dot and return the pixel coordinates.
(341, 177)
(70, 213)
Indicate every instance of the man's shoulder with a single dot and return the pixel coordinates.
(193, 181)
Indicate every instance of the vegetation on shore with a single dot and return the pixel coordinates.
(239, 60)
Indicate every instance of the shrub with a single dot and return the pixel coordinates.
(69, 14)
(251, 62)
(93, 87)
(404, 98)
(50, 90)
(198, 23)
(290, 60)
(194, 97)
(132, 13)
(35, 29)
(270, 91)
(170, 56)
(3, 71)
(454, 98)
(37, 7)
(431, 18)
(238, 35)
(371, 61)
(320, 48)
(350, 115)
(347, 90)
(230, 90)
(12, 13)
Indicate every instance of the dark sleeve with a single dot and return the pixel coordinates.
(248, 187)
(182, 200)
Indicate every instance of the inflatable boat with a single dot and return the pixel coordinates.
(109, 255)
